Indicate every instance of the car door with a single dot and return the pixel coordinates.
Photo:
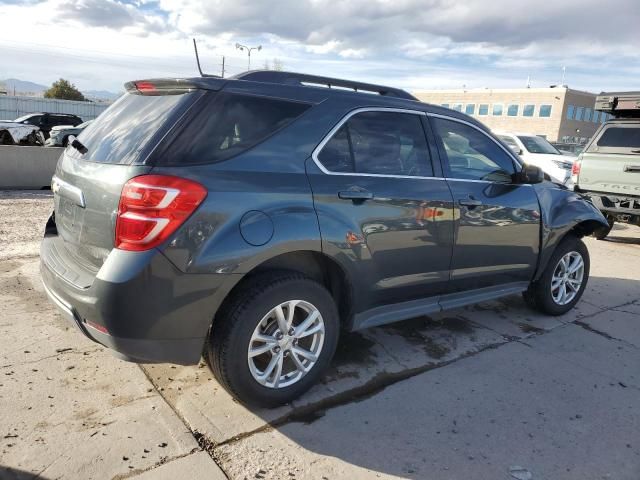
(382, 210)
(497, 227)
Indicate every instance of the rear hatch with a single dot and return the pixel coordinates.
(611, 162)
(90, 175)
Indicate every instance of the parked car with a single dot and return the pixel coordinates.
(13, 133)
(257, 216)
(535, 150)
(608, 171)
(59, 135)
(46, 121)
(571, 149)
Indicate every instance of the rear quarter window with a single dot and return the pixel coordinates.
(227, 124)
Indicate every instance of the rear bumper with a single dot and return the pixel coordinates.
(139, 305)
(622, 208)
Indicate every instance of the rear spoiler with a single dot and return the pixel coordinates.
(620, 105)
(173, 86)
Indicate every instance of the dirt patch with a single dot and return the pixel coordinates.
(23, 215)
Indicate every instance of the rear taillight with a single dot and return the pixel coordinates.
(152, 207)
(575, 169)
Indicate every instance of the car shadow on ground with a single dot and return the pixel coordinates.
(8, 473)
(430, 426)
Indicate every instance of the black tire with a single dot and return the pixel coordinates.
(539, 295)
(601, 232)
(231, 332)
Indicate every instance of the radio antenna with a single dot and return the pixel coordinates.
(195, 47)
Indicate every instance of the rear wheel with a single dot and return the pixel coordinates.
(274, 338)
(564, 279)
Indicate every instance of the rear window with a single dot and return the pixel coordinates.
(620, 137)
(122, 132)
(227, 124)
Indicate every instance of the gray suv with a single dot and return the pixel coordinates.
(253, 218)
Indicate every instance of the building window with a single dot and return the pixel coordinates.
(470, 109)
(587, 115)
(483, 109)
(445, 105)
(596, 116)
(579, 113)
(571, 110)
(512, 110)
(457, 107)
(528, 110)
(497, 109)
(545, 111)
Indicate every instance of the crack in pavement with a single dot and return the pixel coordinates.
(197, 436)
(160, 463)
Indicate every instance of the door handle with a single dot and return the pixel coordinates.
(469, 202)
(632, 168)
(355, 195)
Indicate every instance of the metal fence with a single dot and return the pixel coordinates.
(13, 107)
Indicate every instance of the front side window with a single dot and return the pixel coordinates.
(483, 109)
(381, 143)
(471, 154)
(470, 108)
(545, 111)
(497, 110)
(528, 110)
(570, 112)
(512, 110)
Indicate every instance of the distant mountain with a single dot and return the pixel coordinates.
(100, 95)
(23, 87)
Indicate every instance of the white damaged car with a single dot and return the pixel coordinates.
(14, 133)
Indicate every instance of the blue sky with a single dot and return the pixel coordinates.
(413, 44)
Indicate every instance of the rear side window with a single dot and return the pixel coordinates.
(382, 143)
(227, 124)
(125, 129)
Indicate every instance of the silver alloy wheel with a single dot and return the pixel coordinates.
(286, 344)
(567, 278)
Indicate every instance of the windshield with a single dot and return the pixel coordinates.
(535, 144)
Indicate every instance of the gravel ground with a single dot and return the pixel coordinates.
(23, 215)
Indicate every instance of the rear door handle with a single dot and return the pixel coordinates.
(632, 168)
(469, 202)
(355, 195)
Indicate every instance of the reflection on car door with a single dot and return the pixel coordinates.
(380, 207)
(497, 228)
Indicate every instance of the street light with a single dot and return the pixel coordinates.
(248, 50)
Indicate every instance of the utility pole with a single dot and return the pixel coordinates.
(222, 73)
(243, 48)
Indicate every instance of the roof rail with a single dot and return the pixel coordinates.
(303, 79)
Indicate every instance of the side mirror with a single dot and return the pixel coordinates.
(531, 174)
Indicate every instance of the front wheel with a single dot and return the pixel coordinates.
(274, 338)
(564, 279)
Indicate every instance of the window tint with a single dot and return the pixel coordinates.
(570, 112)
(512, 110)
(336, 153)
(528, 110)
(483, 109)
(121, 132)
(619, 137)
(229, 124)
(470, 108)
(497, 110)
(383, 143)
(471, 154)
(545, 111)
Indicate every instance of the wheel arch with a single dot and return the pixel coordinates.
(313, 264)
